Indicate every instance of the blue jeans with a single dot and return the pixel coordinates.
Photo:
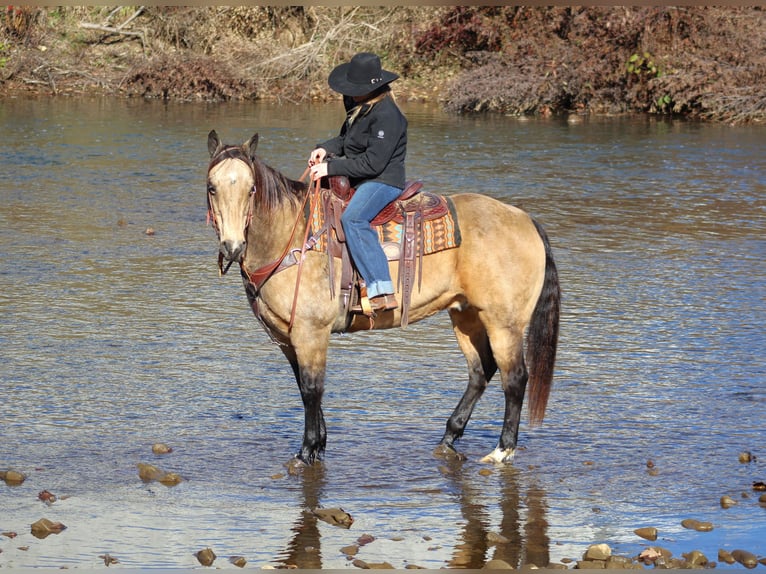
(362, 240)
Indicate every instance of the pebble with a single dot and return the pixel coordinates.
(149, 472)
(334, 516)
(725, 556)
(697, 525)
(12, 477)
(747, 559)
(351, 550)
(44, 527)
(647, 533)
(727, 501)
(238, 561)
(206, 557)
(496, 538)
(161, 448)
(696, 558)
(597, 552)
(497, 564)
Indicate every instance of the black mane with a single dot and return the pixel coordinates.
(273, 187)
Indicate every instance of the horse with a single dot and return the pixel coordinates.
(500, 286)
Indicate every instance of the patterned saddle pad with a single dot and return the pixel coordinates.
(438, 233)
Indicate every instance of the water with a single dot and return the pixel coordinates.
(113, 339)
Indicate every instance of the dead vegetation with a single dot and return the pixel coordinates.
(698, 62)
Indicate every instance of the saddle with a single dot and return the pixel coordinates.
(411, 209)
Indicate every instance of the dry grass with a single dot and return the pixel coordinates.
(508, 59)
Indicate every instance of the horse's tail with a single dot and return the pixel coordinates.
(542, 336)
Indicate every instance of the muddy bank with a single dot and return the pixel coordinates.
(695, 62)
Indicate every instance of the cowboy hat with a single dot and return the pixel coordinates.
(362, 75)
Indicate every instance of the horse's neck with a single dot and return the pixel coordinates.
(268, 237)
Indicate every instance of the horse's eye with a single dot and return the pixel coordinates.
(211, 189)
(252, 190)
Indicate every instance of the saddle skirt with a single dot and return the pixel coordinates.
(435, 214)
(417, 223)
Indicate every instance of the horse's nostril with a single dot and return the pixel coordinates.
(232, 250)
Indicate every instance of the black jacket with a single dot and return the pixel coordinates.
(372, 148)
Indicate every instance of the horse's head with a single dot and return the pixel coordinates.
(230, 193)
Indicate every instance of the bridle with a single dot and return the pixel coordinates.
(230, 152)
(259, 276)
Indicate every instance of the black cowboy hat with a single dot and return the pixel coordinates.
(362, 75)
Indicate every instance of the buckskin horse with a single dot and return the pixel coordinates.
(498, 285)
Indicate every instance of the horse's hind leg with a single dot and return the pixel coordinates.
(509, 353)
(473, 341)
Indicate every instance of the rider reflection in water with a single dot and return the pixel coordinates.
(370, 150)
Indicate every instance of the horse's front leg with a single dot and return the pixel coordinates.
(309, 371)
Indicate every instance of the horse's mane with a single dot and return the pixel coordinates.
(273, 187)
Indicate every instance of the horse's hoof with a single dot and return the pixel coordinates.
(296, 466)
(499, 456)
(448, 453)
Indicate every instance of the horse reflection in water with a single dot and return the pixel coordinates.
(523, 536)
(522, 540)
(499, 285)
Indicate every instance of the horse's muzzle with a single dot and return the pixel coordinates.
(232, 250)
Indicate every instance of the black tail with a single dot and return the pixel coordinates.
(543, 336)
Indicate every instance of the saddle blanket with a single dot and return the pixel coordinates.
(438, 234)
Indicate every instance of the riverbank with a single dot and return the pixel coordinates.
(694, 62)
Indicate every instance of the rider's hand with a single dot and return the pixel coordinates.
(318, 171)
(317, 156)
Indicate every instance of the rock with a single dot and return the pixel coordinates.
(149, 473)
(334, 516)
(161, 448)
(109, 559)
(727, 501)
(44, 527)
(238, 561)
(351, 550)
(597, 552)
(372, 565)
(647, 533)
(697, 525)
(170, 479)
(365, 539)
(591, 565)
(696, 558)
(745, 457)
(47, 497)
(497, 564)
(619, 562)
(759, 485)
(655, 555)
(747, 559)
(725, 556)
(12, 477)
(206, 557)
(496, 538)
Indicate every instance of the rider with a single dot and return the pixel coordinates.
(370, 151)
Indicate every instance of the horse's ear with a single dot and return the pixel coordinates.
(213, 143)
(251, 144)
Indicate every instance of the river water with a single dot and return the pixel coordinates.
(113, 339)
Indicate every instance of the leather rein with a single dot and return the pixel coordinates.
(259, 276)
